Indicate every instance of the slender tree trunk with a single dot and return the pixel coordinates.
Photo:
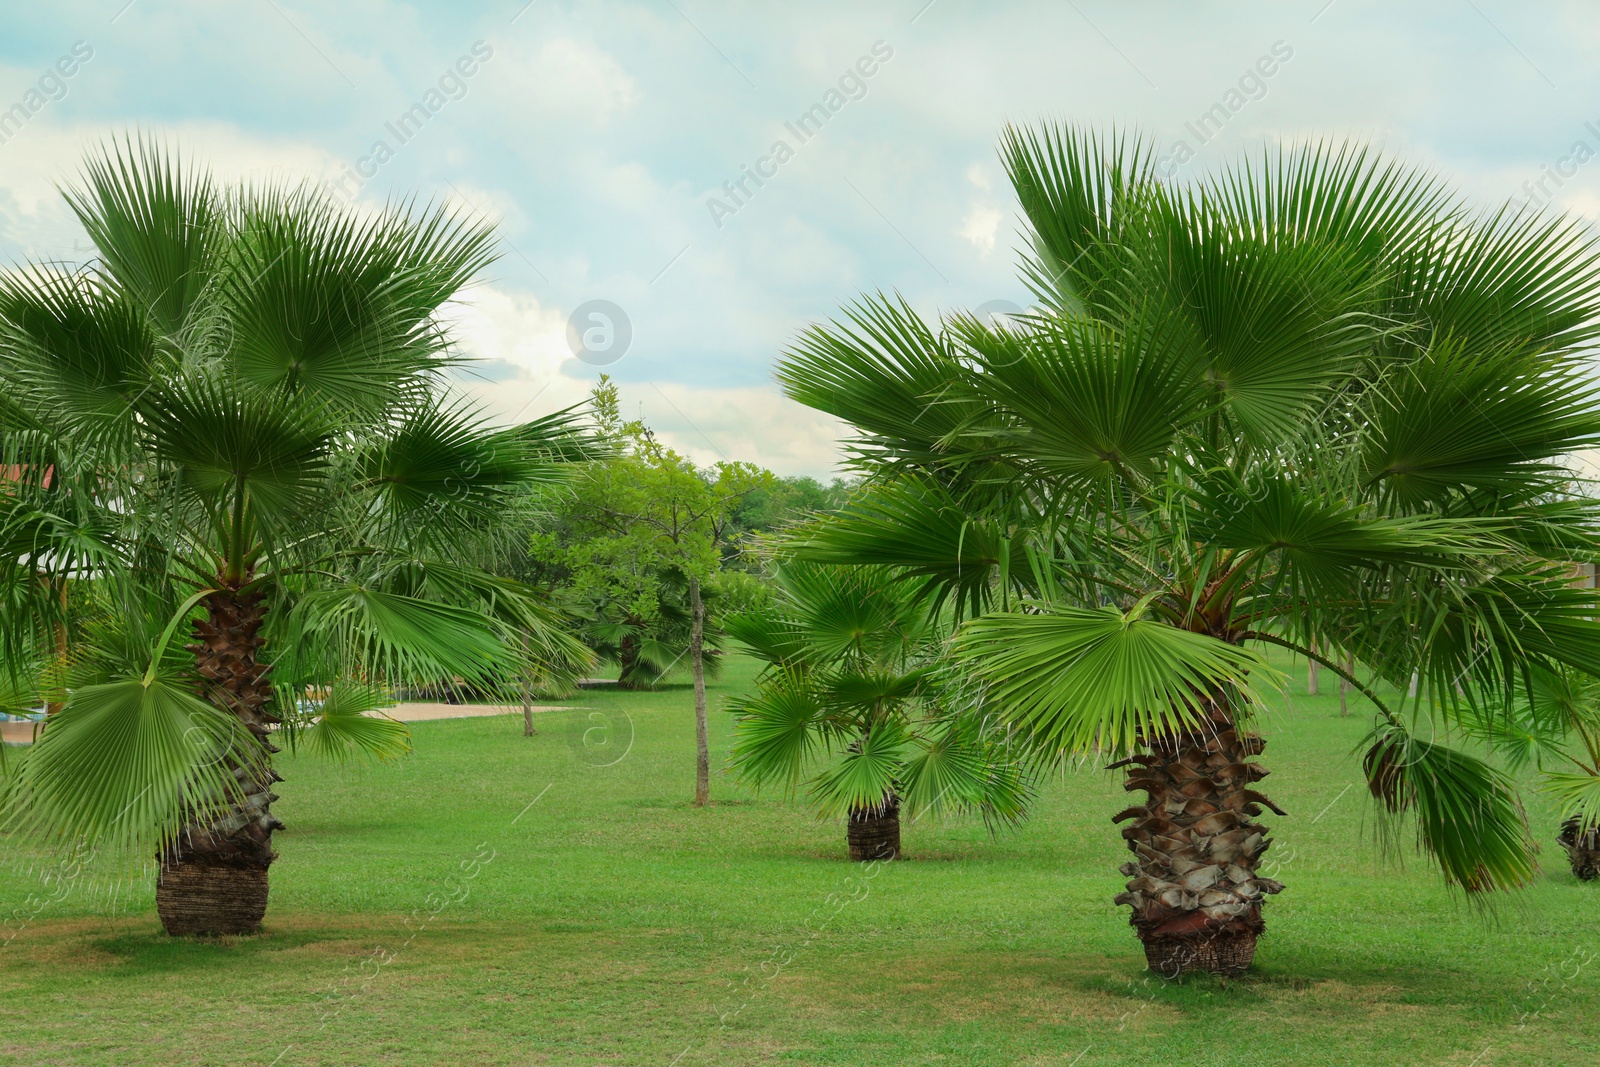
(702, 745)
(1194, 890)
(58, 675)
(1311, 674)
(527, 694)
(874, 833)
(213, 877)
(1344, 687)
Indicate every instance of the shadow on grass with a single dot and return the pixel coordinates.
(153, 951)
(1269, 981)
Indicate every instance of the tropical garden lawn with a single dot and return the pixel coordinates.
(423, 912)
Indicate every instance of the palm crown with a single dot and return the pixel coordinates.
(1311, 402)
(234, 422)
(857, 691)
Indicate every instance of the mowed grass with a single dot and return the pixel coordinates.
(611, 922)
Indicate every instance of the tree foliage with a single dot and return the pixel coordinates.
(1313, 401)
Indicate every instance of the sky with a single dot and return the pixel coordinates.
(681, 187)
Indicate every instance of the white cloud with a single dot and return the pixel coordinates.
(757, 424)
(36, 223)
(980, 227)
(527, 371)
(565, 79)
(523, 347)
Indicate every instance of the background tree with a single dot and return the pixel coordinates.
(853, 681)
(242, 406)
(636, 529)
(1313, 402)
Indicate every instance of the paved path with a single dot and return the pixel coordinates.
(16, 733)
(21, 733)
(418, 712)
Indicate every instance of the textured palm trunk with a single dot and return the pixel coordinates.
(1583, 850)
(874, 833)
(1194, 890)
(697, 665)
(213, 877)
(627, 662)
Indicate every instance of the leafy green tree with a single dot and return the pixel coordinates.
(636, 528)
(272, 509)
(854, 683)
(786, 501)
(1313, 402)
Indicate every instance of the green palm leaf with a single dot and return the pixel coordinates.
(346, 723)
(1468, 816)
(777, 731)
(125, 763)
(1096, 679)
(867, 774)
(963, 764)
(156, 225)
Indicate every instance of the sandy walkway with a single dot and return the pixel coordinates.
(419, 712)
(16, 733)
(21, 733)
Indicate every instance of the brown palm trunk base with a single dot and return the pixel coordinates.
(1194, 890)
(1231, 952)
(201, 898)
(874, 833)
(213, 878)
(1583, 850)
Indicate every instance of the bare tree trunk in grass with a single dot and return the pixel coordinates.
(527, 694)
(1194, 890)
(213, 877)
(702, 745)
(1311, 674)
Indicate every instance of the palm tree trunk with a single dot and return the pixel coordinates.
(1312, 688)
(1583, 850)
(1194, 890)
(702, 745)
(213, 877)
(1344, 687)
(874, 833)
(628, 660)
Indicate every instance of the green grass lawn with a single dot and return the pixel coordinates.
(425, 913)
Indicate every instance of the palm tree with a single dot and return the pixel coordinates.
(646, 642)
(1311, 403)
(241, 407)
(1556, 727)
(853, 682)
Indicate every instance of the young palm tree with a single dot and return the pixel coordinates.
(1557, 729)
(1311, 403)
(852, 681)
(241, 410)
(647, 645)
